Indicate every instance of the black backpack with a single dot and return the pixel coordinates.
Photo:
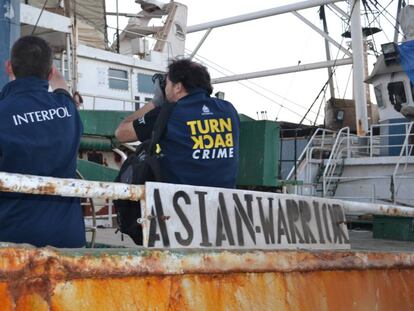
(139, 167)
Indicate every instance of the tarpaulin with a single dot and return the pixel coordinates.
(406, 50)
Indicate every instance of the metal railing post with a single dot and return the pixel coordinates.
(348, 153)
(370, 141)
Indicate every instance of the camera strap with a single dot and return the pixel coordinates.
(160, 125)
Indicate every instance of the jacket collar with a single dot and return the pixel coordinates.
(28, 84)
(198, 92)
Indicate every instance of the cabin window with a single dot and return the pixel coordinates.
(145, 84)
(58, 64)
(412, 90)
(118, 79)
(378, 96)
(138, 103)
(396, 93)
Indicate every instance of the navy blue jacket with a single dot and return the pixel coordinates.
(39, 135)
(201, 144)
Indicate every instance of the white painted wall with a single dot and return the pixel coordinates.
(364, 189)
(93, 79)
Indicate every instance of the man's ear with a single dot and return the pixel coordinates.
(181, 91)
(9, 69)
(51, 72)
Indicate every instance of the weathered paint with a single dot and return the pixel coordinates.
(69, 187)
(206, 217)
(92, 189)
(44, 279)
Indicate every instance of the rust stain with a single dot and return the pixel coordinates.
(5, 299)
(31, 302)
(393, 211)
(56, 186)
(49, 188)
(45, 279)
(317, 290)
(360, 130)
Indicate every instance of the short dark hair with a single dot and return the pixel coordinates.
(31, 56)
(191, 74)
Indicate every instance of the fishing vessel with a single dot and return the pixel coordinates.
(277, 242)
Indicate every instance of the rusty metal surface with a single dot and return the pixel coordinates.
(68, 187)
(377, 209)
(45, 279)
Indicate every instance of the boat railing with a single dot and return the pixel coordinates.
(124, 104)
(320, 139)
(405, 153)
(335, 157)
(67, 187)
(372, 147)
(377, 147)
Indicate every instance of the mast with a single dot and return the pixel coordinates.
(397, 22)
(9, 33)
(71, 44)
(358, 60)
(328, 52)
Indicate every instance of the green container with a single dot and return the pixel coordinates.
(97, 143)
(393, 228)
(96, 172)
(259, 153)
(101, 123)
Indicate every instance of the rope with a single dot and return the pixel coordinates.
(40, 15)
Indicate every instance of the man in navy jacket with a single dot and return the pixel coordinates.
(39, 135)
(201, 142)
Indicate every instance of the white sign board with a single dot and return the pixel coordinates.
(180, 216)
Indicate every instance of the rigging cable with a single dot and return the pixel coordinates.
(347, 81)
(368, 24)
(38, 19)
(257, 92)
(249, 81)
(320, 106)
(332, 72)
(384, 9)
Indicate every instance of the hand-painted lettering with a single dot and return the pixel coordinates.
(203, 218)
(292, 210)
(223, 220)
(160, 221)
(282, 228)
(305, 217)
(241, 214)
(318, 222)
(184, 220)
(325, 221)
(241, 219)
(267, 221)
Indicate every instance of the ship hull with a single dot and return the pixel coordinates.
(45, 279)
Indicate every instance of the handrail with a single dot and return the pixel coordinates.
(69, 187)
(404, 148)
(333, 152)
(80, 188)
(112, 98)
(304, 152)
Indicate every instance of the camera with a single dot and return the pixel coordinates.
(162, 80)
